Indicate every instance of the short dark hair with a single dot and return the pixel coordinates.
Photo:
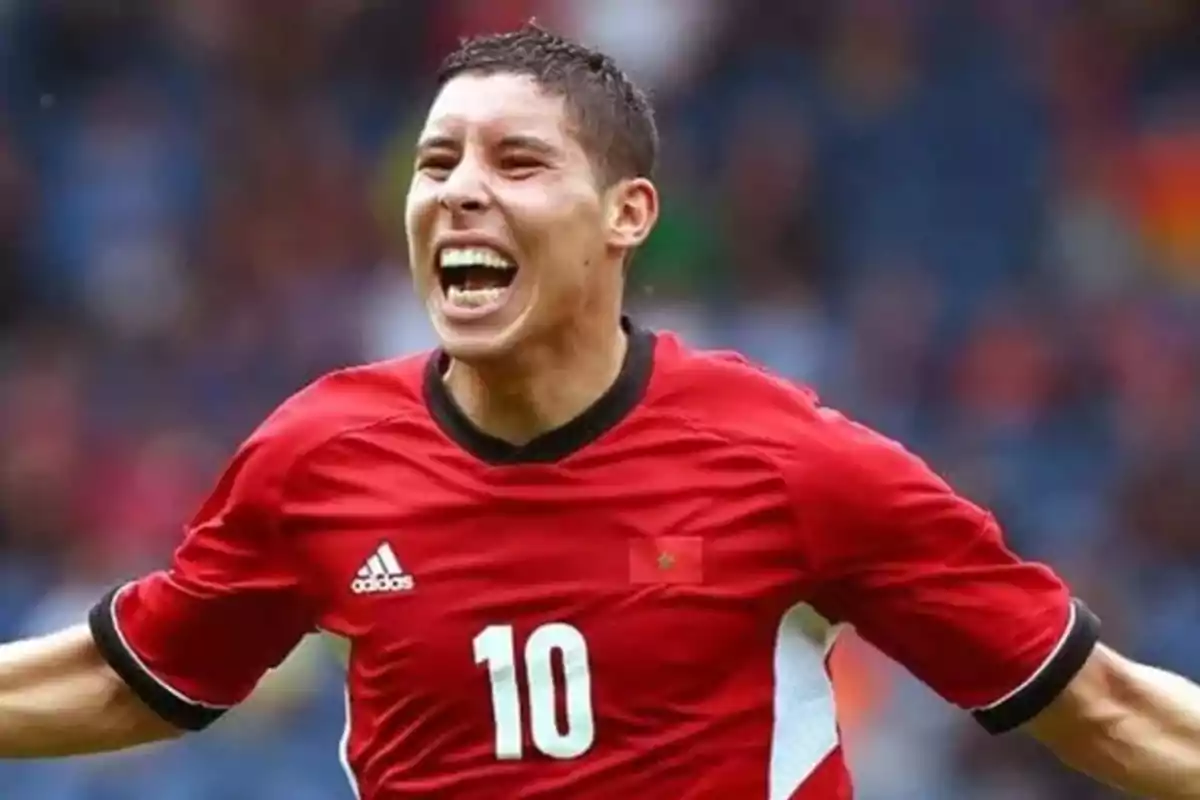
(613, 117)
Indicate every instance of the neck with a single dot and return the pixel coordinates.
(545, 386)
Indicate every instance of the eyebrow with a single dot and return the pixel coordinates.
(509, 142)
(519, 142)
(437, 143)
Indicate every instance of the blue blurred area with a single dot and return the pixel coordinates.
(974, 225)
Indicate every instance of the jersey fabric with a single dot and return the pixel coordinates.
(637, 604)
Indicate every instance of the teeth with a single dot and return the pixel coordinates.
(451, 257)
(474, 298)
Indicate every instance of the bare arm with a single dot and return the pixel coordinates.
(58, 697)
(1134, 727)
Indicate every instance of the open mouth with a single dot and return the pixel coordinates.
(475, 277)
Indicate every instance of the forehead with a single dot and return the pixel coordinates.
(500, 104)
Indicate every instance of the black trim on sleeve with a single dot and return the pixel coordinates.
(1050, 682)
(161, 700)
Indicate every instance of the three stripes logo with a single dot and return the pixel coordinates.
(382, 573)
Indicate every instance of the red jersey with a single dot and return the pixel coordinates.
(638, 604)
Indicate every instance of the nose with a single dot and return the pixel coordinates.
(464, 189)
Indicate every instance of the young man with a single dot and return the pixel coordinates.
(572, 558)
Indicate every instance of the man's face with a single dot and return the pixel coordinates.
(506, 220)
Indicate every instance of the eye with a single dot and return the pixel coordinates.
(520, 166)
(436, 165)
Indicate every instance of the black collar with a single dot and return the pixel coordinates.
(599, 418)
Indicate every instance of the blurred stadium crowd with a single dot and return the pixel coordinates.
(974, 225)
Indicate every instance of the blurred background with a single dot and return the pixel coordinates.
(973, 224)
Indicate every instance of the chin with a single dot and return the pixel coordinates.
(478, 343)
(481, 340)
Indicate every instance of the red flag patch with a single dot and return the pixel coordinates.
(666, 559)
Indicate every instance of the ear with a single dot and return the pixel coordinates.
(632, 212)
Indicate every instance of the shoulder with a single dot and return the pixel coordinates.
(338, 403)
(818, 448)
(727, 393)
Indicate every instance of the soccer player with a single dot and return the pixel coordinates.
(573, 558)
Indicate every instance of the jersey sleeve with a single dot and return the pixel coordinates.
(194, 639)
(925, 576)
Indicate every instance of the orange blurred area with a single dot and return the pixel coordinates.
(1166, 193)
(861, 687)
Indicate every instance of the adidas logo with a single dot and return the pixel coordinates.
(382, 573)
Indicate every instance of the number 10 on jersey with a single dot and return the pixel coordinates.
(495, 647)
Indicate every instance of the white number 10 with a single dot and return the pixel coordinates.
(495, 648)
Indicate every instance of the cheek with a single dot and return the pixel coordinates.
(419, 212)
(567, 227)
(417, 231)
(559, 226)
(564, 252)
(572, 270)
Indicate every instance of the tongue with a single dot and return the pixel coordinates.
(486, 278)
